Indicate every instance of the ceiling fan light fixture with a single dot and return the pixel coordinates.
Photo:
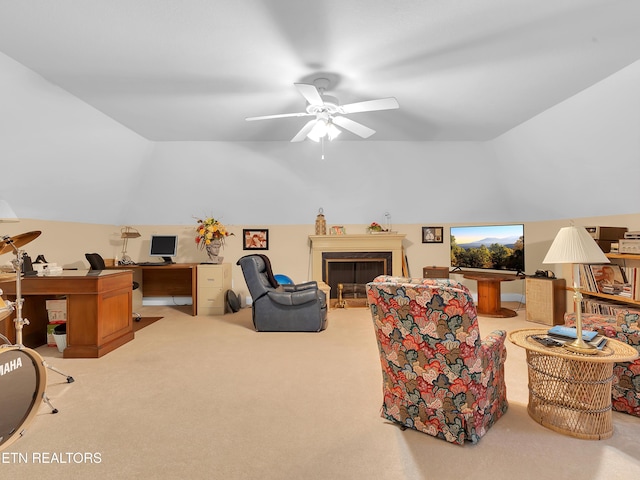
(323, 129)
(318, 131)
(328, 112)
(333, 131)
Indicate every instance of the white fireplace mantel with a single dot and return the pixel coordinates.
(382, 242)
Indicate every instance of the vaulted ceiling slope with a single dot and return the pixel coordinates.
(119, 112)
(462, 70)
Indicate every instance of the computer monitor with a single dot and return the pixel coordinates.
(165, 246)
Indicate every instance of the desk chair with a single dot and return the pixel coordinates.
(96, 262)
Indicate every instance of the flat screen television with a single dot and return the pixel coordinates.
(165, 246)
(492, 247)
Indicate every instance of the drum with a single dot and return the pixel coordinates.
(5, 310)
(23, 380)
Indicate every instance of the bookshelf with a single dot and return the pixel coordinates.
(617, 298)
(614, 298)
(623, 256)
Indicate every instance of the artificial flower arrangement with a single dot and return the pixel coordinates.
(209, 230)
(375, 227)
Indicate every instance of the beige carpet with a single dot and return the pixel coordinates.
(209, 398)
(144, 322)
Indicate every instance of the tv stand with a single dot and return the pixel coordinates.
(489, 292)
(168, 260)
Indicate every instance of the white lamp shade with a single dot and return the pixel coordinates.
(6, 212)
(575, 245)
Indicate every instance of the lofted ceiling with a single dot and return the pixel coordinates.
(193, 70)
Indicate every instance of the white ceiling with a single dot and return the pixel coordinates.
(175, 70)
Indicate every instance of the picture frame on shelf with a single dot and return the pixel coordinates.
(255, 239)
(432, 234)
(337, 230)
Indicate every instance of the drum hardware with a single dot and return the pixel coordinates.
(23, 372)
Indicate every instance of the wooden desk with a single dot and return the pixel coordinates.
(99, 317)
(173, 280)
(489, 292)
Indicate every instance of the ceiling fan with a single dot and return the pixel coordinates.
(329, 113)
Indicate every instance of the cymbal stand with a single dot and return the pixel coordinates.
(19, 321)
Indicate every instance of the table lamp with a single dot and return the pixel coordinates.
(574, 245)
(126, 233)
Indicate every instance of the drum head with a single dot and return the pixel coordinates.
(23, 380)
(5, 310)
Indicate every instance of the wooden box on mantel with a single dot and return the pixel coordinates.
(435, 272)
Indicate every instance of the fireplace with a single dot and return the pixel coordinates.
(357, 258)
(353, 270)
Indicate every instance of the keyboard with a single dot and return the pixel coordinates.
(152, 264)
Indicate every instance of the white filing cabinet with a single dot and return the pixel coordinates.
(213, 283)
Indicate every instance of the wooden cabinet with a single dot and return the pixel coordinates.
(435, 272)
(546, 300)
(213, 283)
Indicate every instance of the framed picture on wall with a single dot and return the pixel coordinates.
(432, 234)
(255, 239)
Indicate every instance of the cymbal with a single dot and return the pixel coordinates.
(18, 241)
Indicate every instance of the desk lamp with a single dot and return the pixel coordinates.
(126, 233)
(574, 245)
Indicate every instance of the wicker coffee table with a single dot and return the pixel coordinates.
(569, 392)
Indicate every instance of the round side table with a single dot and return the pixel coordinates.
(570, 393)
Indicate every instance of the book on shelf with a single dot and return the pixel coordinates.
(606, 307)
(607, 276)
(611, 279)
(633, 277)
(623, 290)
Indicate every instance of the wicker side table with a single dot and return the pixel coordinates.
(569, 392)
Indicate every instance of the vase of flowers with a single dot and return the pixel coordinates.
(210, 236)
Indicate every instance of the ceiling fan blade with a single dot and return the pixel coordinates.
(370, 105)
(282, 115)
(353, 127)
(310, 93)
(302, 134)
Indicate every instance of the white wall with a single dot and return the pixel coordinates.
(581, 157)
(66, 243)
(62, 159)
(284, 183)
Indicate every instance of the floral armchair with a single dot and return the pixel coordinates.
(625, 391)
(439, 376)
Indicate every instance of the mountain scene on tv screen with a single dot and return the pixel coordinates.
(495, 253)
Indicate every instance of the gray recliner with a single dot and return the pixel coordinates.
(282, 308)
